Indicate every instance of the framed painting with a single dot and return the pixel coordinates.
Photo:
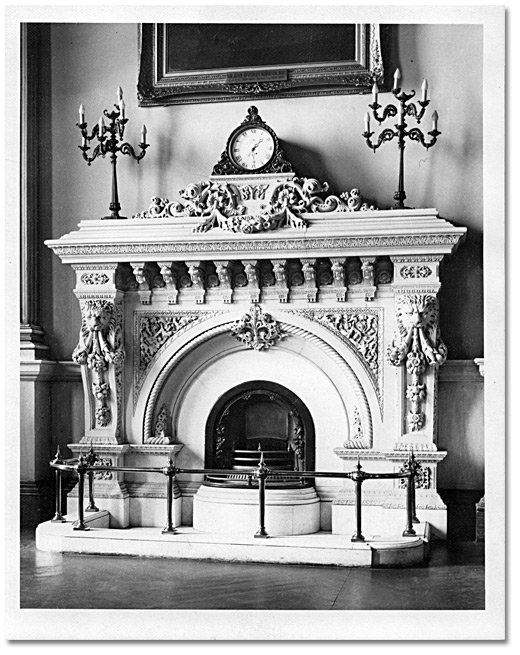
(213, 62)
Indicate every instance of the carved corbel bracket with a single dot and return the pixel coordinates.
(253, 279)
(280, 276)
(143, 280)
(224, 273)
(368, 277)
(338, 278)
(196, 274)
(169, 277)
(309, 279)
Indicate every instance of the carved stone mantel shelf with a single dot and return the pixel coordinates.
(372, 232)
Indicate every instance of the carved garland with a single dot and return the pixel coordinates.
(417, 341)
(99, 346)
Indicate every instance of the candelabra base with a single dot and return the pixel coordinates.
(114, 217)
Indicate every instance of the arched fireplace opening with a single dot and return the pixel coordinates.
(259, 418)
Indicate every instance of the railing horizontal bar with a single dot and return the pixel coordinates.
(222, 472)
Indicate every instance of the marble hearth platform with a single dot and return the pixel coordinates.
(320, 548)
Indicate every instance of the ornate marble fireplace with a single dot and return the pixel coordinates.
(206, 334)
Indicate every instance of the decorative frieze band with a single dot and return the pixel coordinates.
(325, 244)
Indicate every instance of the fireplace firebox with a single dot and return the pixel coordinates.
(254, 419)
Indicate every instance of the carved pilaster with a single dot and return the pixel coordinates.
(197, 290)
(100, 352)
(169, 277)
(224, 277)
(142, 278)
(253, 280)
(280, 275)
(418, 345)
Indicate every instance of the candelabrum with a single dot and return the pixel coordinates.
(404, 109)
(110, 141)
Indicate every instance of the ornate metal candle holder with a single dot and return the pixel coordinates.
(110, 139)
(404, 109)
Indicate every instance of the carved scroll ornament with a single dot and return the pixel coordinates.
(219, 205)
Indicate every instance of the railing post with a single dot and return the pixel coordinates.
(80, 468)
(408, 470)
(358, 476)
(58, 516)
(261, 474)
(91, 458)
(169, 471)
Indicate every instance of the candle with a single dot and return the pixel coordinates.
(122, 108)
(119, 93)
(143, 134)
(375, 91)
(397, 77)
(424, 88)
(435, 118)
(367, 122)
(81, 114)
(101, 126)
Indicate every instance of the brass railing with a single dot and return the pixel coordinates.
(87, 466)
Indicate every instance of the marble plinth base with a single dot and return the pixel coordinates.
(320, 548)
(389, 517)
(235, 511)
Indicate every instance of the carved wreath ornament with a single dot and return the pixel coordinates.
(257, 330)
(219, 205)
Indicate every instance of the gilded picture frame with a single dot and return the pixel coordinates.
(198, 63)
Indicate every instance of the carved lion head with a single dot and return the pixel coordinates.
(416, 311)
(98, 315)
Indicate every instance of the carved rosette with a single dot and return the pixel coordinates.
(100, 351)
(418, 344)
(257, 330)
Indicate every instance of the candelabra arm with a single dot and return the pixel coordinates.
(386, 135)
(415, 134)
(411, 110)
(388, 111)
(98, 151)
(127, 149)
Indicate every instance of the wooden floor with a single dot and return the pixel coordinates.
(453, 580)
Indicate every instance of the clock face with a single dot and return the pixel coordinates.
(252, 148)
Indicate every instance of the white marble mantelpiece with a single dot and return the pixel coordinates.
(351, 292)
